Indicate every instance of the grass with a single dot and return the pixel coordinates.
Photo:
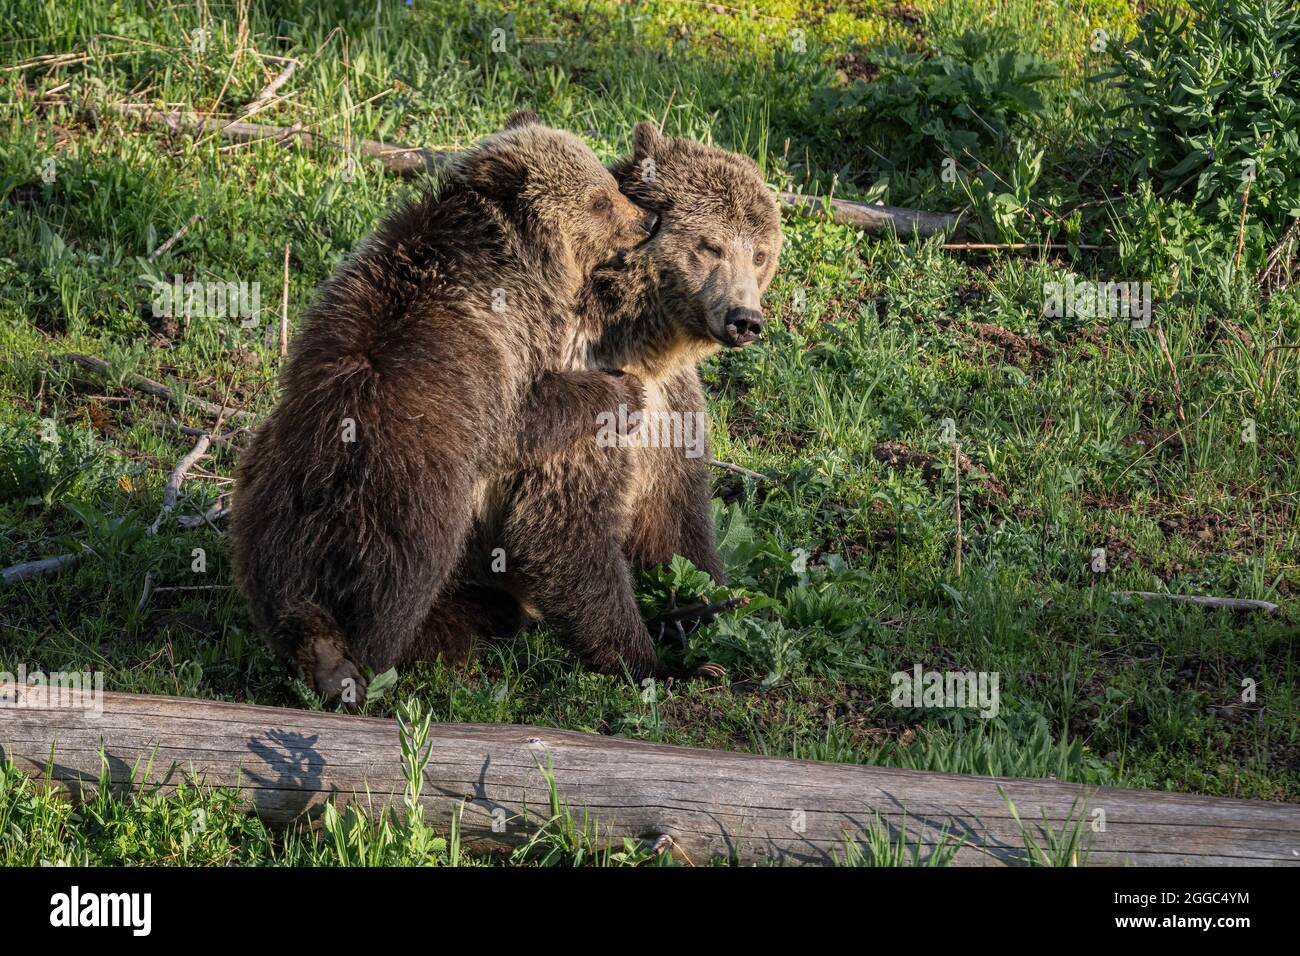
(1175, 456)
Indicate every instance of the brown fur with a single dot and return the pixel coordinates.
(578, 522)
(341, 546)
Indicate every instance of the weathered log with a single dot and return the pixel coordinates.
(743, 806)
(876, 219)
(407, 160)
(1232, 604)
(36, 569)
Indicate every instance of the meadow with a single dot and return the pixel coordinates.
(1097, 453)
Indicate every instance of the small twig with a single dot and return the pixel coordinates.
(35, 569)
(221, 416)
(284, 307)
(739, 470)
(177, 237)
(1169, 359)
(145, 592)
(1235, 604)
(269, 90)
(956, 468)
(1241, 230)
(196, 587)
(177, 476)
(227, 439)
(1034, 246)
(218, 511)
(663, 121)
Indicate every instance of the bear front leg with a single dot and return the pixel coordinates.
(463, 615)
(567, 407)
(671, 513)
(564, 542)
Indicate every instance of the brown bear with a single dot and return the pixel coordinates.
(575, 524)
(405, 394)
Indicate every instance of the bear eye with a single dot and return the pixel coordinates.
(760, 258)
(712, 248)
(602, 204)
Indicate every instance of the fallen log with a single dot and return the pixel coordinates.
(747, 807)
(36, 569)
(408, 160)
(876, 219)
(1232, 604)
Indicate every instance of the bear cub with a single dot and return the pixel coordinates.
(407, 392)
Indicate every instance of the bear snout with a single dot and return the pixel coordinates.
(742, 325)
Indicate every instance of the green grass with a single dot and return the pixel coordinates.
(1088, 435)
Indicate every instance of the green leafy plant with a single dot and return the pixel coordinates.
(961, 103)
(1003, 204)
(1212, 103)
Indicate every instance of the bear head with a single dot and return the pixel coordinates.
(719, 233)
(553, 188)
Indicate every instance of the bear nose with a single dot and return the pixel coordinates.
(743, 325)
(649, 222)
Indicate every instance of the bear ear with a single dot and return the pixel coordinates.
(498, 173)
(522, 118)
(645, 140)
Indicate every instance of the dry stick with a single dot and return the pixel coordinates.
(406, 160)
(149, 387)
(664, 119)
(227, 439)
(145, 592)
(269, 90)
(179, 234)
(1235, 604)
(1178, 387)
(35, 569)
(1241, 231)
(1036, 246)
(177, 476)
(284, 307)
(739, 470)
(218, 511)
(956, 467)
(267, 104)
(196, 587)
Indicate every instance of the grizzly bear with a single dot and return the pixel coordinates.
(578, 522)
(405, 393)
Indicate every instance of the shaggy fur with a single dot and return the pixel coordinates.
(577, 522)
(406, 393)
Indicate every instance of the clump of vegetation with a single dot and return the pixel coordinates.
(1212, 108)
(965, 102)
